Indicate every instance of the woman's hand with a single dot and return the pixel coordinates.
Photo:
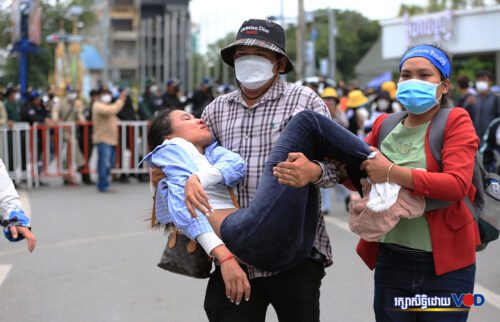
(26, 233)
(376, 167)
(235, 278)
(195, 197)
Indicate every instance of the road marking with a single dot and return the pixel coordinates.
(338, 222)
(4, 271)
(491, 297)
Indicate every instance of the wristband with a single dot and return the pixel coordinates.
(389, 171)
(230, 256)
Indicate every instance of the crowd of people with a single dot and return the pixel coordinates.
(276, 144)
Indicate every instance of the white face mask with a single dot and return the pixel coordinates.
(106, 98)
(482, 86)
(253, 71)
(383, 104)
(72, 96)
(17, 96)
(154, 89)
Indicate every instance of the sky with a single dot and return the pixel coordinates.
(216, 18)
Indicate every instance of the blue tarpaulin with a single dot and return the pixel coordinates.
(380, 79)
(91, 58)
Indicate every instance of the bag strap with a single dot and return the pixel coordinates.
(388, 124)
(233, 197)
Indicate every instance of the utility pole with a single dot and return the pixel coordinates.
(300, 41)
(332, 33)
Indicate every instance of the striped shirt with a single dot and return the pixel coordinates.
(252, 132)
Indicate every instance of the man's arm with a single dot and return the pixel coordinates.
(297, 170)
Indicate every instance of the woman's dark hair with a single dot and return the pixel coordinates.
(161, 126)
(444, 99)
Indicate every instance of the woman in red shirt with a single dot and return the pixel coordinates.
(432, 256)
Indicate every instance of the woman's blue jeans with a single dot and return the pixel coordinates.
(277, 230)
(106, 161)
(400, 273)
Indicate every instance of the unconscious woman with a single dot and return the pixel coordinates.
(431, 256)
(273, 233)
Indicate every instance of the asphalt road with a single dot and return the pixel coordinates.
(96, 261)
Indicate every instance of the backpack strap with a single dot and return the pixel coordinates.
(436, 134)
(388, 124)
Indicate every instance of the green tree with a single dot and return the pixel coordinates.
(41, 64)
(355, 35)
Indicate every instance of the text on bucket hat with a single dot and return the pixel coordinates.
(259, 33)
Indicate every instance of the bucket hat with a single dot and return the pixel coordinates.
(259, 33)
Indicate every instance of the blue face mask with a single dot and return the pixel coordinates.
(417, 96)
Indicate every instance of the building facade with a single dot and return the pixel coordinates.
(463, 33)
(141, 40)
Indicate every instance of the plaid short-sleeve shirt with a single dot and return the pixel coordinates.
(252, 132)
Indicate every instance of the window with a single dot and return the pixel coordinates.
(121, 24)
(124, 49)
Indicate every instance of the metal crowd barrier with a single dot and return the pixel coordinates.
(62, 149)
(132, 147)
(53, 150)
(15, 152)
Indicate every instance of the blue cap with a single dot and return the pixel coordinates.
(34, 94)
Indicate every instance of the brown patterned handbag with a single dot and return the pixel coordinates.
(183, 255)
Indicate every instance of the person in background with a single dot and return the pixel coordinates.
(171, 96)
(85, 131)
(329, 96)
(466, 94)
(486, 106)
(382, 104)
(12, 106)
(201, 97)
(357, 112)
(146, 102)
(390, 88)
(13, 110)
(70, 109)
(105, 134)
(127, 113)
(35, 112)
(17, 225)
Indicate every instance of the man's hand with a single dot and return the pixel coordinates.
(297, 171)
(195, 197)
(26, 233)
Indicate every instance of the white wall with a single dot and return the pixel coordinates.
(474, 31)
